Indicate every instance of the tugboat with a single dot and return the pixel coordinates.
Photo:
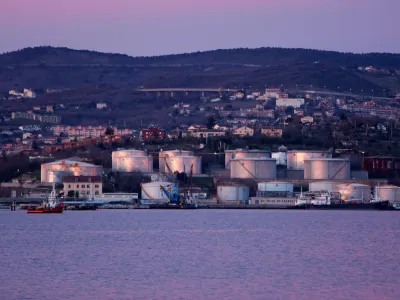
(52, 206)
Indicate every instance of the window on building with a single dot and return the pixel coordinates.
(88, 186)
(96, 185)
(96, 193)
(69, 186)
(77, 186)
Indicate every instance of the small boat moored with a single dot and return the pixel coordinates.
(52, 206)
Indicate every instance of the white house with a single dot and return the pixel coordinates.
(286, 102)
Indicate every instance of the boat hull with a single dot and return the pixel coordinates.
(40, 210)
(354, 206)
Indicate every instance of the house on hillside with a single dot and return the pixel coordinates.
(272, 132)
(244, 131)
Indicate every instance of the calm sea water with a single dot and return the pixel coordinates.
(204, 254)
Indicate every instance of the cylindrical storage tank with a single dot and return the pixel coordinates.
(56, 176)
(54, 171)
(116, 155)
(281, 158)
(295, 158)
(389, 193)
(354, 191)
(275, 186)
(244, 153)
(327, 169)
(135, 164)
(162, 156)
(233, 193)
(183, 164)
(152, 191)
(254, 168)
(326, 186)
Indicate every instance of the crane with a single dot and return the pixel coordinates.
(173, 195)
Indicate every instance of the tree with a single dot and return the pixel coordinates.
(210, 122)
(109, 131)
(74, 194)
(35, 145)
(289, 110)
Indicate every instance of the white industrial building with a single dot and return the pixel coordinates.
(286, 102)
(55, 171)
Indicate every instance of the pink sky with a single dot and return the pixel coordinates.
(148, 27)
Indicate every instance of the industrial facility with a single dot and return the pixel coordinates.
(244, 153)
(163, 155)
(55, 171)
(183, 164)
(327, 169)
(253, 168)
(296, 158)
(132, 161)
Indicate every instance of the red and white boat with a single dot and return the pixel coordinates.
(52, 206)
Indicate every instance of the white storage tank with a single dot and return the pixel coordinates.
(54, 171)
(295, 158)
(281, 158)
(124, 153)
(275, 186)
(254, 168)
(389, 193)
(244, 153)
(354, 191)
(183, 164)
(327, 169)
(151, 191)
(162, 156)
(135, 164)
(233, 193)
(317, 186)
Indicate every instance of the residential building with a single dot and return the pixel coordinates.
(83, 185)
(244, 131)
(207, 133)
(299, 112)
(101, 105)
(197, 127)
(31, 116)
(294, 102)
(282, 96)
(272, 132)
(88, 131)
(272, 92)
(152, 133)
(29, 93)
(307, 119)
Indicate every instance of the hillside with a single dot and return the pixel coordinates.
(242, 56)
(48, 67)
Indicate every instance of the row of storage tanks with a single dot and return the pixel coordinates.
(233, 192)
(169, 161)
(357, 191)
(242, 163)
(258, 164)
(348, 192)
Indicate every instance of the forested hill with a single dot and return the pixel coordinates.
(242, 56)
